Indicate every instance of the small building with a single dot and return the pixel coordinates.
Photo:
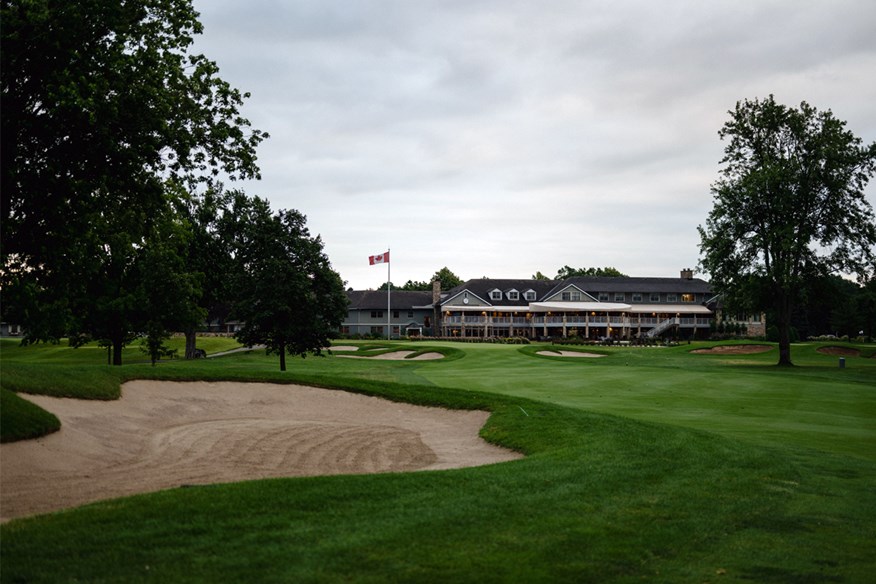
(409, 313)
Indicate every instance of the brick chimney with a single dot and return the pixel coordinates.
(687, 274)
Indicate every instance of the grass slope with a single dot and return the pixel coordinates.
(600, 497)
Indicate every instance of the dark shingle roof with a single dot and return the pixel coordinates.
(608, 284)
(481, 288)
(399, 299)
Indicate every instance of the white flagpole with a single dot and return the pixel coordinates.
(388, 302)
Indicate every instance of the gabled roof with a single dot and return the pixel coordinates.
(399, 299)
(481, 288)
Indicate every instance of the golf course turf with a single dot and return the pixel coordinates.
(651, 464)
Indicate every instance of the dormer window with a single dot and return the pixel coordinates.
(496, 295)
(513, 295)
(529, 295)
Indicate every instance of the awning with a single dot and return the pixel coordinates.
(484, 309)
(578, 307)
(672, 309)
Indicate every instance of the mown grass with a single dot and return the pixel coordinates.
(643, 465)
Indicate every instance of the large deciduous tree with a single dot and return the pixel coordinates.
(789, 205)
(286, 294)
(103, 107)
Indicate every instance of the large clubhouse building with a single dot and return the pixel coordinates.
(588, 307)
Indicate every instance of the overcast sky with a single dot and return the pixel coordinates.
(501, 137)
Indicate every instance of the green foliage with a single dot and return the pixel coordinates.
(287, 296)
(569, 272)
(789, 205)
(447, 278)
(106, 116)
(21, 420)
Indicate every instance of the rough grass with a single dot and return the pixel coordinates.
(20, 419)
(654, 465)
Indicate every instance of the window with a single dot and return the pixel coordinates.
(529, 295)
(603, 296)
(513, 295)
(345, 330)
(688, 297)
(620, 297)
(572, 295)
(655, 297)
(637, 297)
(395, 314)
(377, 330)
(410, 314)
(496, 295)
(376, 314)
(672, 298)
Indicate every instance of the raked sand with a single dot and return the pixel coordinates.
(162, 435)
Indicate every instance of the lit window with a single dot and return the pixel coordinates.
(688, 298)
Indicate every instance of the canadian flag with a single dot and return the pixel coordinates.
(382, 258)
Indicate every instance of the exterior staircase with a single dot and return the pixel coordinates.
(661, 327)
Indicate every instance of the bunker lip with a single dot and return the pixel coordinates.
(163, 435)
(569, 354)
(398, 356)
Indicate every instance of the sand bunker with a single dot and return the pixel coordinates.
(162, 435)
(734, 350)
(841, 351)
(568, 354)
(398, 356)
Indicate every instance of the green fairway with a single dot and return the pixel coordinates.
(644, 465)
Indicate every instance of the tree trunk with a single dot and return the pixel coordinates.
(282, 356)
(784, 325)
(117, 351)
(191, 346)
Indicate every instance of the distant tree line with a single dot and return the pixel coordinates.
(115, 223)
